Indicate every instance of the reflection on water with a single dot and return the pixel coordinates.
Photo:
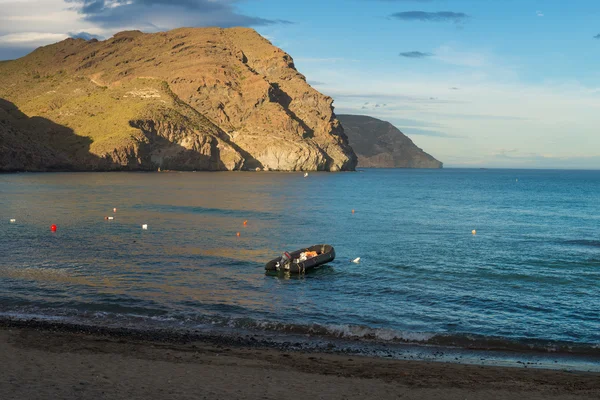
(530, 272)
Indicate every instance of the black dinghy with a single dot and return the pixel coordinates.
(303, 260)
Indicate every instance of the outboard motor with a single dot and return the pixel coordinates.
(285, 261)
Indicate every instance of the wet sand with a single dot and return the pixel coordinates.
(45, 362)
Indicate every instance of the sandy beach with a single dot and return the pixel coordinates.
(42, 363)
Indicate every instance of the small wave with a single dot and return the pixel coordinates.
(467, 341)
(210, 324)
(379, 334)
(336, 331)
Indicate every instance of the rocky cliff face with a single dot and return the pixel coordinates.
(197, 99)
(380, 144)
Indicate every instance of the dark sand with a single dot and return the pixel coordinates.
(48, 363)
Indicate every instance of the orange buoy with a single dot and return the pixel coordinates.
(245, 222)
(474, 232)
(238, 234)
(53, 228)
(115, 209)
(352, 211)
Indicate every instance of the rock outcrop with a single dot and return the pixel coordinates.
(379, 144)
(187, 99)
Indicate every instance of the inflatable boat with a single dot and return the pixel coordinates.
(303, 260)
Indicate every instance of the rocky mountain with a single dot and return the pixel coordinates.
(380, 144)
(187, 99)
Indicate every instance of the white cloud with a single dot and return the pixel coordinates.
(51, 16)
(31, 38)
(33, 23)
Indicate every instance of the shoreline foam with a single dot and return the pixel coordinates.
(442, 351)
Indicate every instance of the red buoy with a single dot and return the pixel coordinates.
(245, 222)
(53, 228)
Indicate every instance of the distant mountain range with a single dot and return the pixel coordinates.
(379, 144)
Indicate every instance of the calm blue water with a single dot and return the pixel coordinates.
(531, 273)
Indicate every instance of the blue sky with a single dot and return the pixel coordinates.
(476, 83)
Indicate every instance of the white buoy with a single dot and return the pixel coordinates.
(12, 220)
(356, 260)
(306, 174)
(115, 209)
(145, 227)
(474, 232)
(111, 218)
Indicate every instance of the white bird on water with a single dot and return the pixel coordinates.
(306, 174)
(356, 260)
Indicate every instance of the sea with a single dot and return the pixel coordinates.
(453, 259)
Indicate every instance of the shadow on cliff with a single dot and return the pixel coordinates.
(168, 155)
(179, 158)
(284, 99)
(39, 144)
(250, 163)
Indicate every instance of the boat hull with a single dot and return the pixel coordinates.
(327, 254)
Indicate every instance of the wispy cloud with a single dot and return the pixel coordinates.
(30, 38)
(539, 13)
(428, 132)
(369, 106)
(502, 152)
(440, 16)
(389, 97)
(25, 25)
(597, 36)
(522, 159)
(402, 123)
(481, 117)
(415, 54)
